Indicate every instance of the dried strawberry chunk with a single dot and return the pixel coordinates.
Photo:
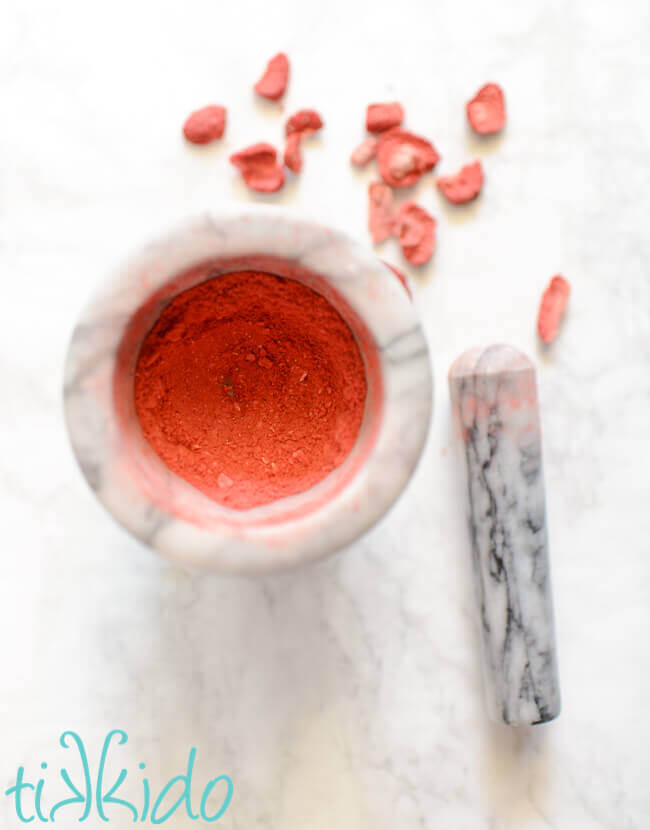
(400, 276)
(299, 126)
(380, 117)
(292, 153)
(259, 167)
(404, 157)
(462, 186)
(552, 308)
(304, 121)
(416, 232)
(486, 112)
(381, 211)
(273, 82)
(364, 152)
(205, 125)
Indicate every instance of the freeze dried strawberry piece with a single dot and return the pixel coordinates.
(366, 151)
(404, 157)
(259, 167)
(400, 276)
(299, 126)
(462, 186)
(305, 122)
(205, 125)
(380, 117)
(381, 211)
(552, 308)
(416, 232)
(486, 112)
(273, 82)
(292, 154)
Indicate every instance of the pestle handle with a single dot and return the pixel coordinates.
(497, 427)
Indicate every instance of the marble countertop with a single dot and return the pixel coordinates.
(347, 694)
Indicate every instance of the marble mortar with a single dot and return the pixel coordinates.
(166, 512)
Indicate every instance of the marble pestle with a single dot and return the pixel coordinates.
(496, 423)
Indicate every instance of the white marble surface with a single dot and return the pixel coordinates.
(346, 695)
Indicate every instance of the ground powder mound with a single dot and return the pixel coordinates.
(251, 387)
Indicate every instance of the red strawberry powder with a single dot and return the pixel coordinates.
(251, 387)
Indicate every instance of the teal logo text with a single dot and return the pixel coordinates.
(95, 794)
